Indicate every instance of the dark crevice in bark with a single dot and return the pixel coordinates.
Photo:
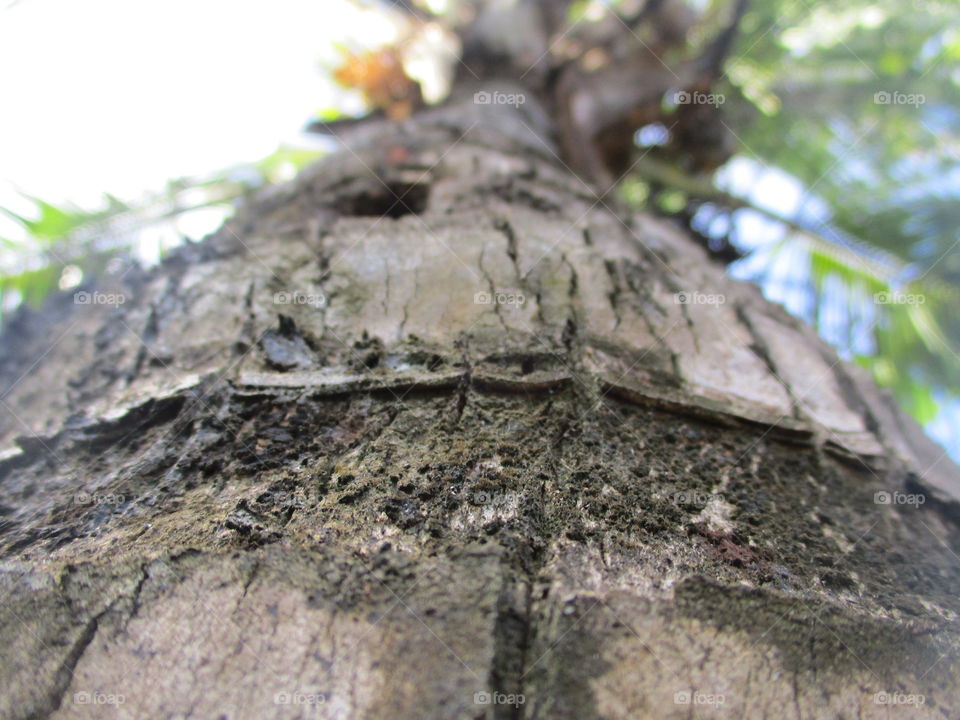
(137, 592)
(674, 362)
(852, 395)
(103, 434)
(386, 290)
(386, 199)
(678, 291)
(511, 636)
(162, 461)
(571, 329)
(284, 347)
(574, 287)
(517, 621)
(64, 674)
(401, 329)
(615, 292)
(463, 387)
(245, 340)
(493, 290)
(670, 353)
(251, 576)
(539, 300)
(503, 226)
(525, 194)
(529, 631)
(569, 339)
(91, 437)
(638, 280)
(148, 335)
(316, 227)
(759, 347)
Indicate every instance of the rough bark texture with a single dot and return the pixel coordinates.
(393, 496)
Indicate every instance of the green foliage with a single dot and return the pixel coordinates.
(64, 236)
(859, 102)
(57, 237)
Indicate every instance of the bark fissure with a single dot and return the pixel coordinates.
(615, 291)
(147, 336)
(760, 349)
(465, 382)
(493, 290)
(65, 672)
(503, 226)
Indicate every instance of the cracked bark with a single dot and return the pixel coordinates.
(597, 498)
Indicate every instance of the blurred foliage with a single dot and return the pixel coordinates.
(858, 104)
(867, 118)
(64, 243)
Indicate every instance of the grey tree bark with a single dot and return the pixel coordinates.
(433, 432)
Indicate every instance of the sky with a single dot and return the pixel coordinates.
(118, 96)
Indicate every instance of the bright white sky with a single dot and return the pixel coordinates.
(119, 96)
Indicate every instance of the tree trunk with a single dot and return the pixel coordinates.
(433, 432)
